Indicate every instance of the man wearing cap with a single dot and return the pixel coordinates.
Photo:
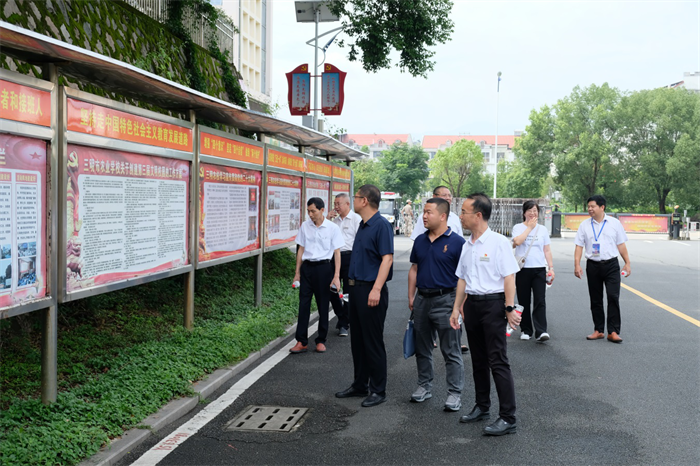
(348, 222)
(486, 274)
(318, 267)
(431, 294)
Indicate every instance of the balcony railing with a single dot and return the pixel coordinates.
(198, 26)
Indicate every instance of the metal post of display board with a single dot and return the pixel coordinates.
(188, 320)
(258, 277)
(49, 331)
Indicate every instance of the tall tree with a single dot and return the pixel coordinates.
(376, 27)
(367, 171)
(578, 135)
(457, 165)
(515, 180)
(661, 134)
(404, 169)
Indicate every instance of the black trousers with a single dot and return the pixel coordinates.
(367, 339)
(608, 274)
(315, 281)
(485, 322)
(535, 280)
(340, 307)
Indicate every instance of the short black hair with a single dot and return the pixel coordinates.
(371, 193)
(435, 191)
(598, 199)
(317, 201)
(527, 205)
(441, 205)
(482, 204)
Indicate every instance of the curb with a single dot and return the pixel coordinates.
(175, 409)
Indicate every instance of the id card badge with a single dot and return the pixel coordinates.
(595, 250)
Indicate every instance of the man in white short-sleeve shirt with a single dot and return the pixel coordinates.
(603, 238)
(348, 222)
(318, 267)
(486, 273)
(452, 220)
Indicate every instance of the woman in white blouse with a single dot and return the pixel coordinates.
(532, 278)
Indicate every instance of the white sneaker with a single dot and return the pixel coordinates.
(420, 395)
(544, 337)
(453, 403)
(524, 336)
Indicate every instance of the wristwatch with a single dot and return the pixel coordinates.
(509, 308)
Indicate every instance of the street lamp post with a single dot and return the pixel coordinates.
(495, 155)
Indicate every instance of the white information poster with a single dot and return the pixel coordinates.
(283, 208)
(319, 188)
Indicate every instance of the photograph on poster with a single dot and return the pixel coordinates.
(127, 215)
(271, 200)
(228, 199)
(6, 271)
(23, 169)
(319, 188)
(282, 222)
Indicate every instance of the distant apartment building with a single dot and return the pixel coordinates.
(253, 46)
(691, 82)
(377, 143)
(433, 144)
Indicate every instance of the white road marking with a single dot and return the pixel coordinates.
(213, 409)
(681, 243)
(650, 242)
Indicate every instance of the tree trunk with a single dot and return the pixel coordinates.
(662, 200)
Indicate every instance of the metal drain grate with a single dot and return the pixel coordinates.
(267, 419)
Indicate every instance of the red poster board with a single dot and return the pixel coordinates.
(319, 188)
(332, 90)
(22, 219)
(341, 173)
(217, 146)
(299, 90)
(126, 215)
(229, 206)
(283, 209)
(284, 160)
(318, 168)
(572, 221)
(84, 117)
(643, 223)
(26, 104)
(341, 187)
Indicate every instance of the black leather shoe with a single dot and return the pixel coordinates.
(350, 392)
(476, 415)
(500, 427)
(373, 400)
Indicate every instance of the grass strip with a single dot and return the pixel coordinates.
(123, 355)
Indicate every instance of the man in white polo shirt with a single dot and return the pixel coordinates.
(318, 267)
(486, 274)
(603, 237)
(452, 220)
(348, 222)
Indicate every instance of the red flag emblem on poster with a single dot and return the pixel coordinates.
(332, 90)
(299, 95)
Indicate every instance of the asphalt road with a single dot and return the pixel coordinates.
(579, 401)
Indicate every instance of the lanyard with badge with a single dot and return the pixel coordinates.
(595, 247)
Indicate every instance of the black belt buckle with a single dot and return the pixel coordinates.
(353, 282)
(428, 293)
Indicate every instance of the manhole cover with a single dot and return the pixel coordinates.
(267, 419)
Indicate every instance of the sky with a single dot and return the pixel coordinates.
(543, 48)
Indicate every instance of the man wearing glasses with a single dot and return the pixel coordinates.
(371, 266)
(452, 220)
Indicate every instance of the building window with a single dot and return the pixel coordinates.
(487, 156)
(501, 156)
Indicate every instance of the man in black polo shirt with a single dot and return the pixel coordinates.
(434, 259)
(370, 268)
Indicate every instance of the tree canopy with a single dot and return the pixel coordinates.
(459, 167)
(376, 27)
(404, 169)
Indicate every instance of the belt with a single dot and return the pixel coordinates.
(342, 253)
(324, 261)
(486, 297)
(606, 261)
(352, 282)
(431, 292)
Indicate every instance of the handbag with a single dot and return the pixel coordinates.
(521, 259)
(409, 345)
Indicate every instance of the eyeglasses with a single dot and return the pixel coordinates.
(359, 197)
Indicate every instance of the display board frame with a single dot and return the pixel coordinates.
(282, 171)
(138, 148)
(47, 134)
(225, 162)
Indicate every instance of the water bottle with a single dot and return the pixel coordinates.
(519, 310)
(550, 279)
(296, 284)
(623, 273)
(345, 297)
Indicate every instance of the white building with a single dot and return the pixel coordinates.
(253, 48)
(691, 82)
(433, 144)
(377, 143)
